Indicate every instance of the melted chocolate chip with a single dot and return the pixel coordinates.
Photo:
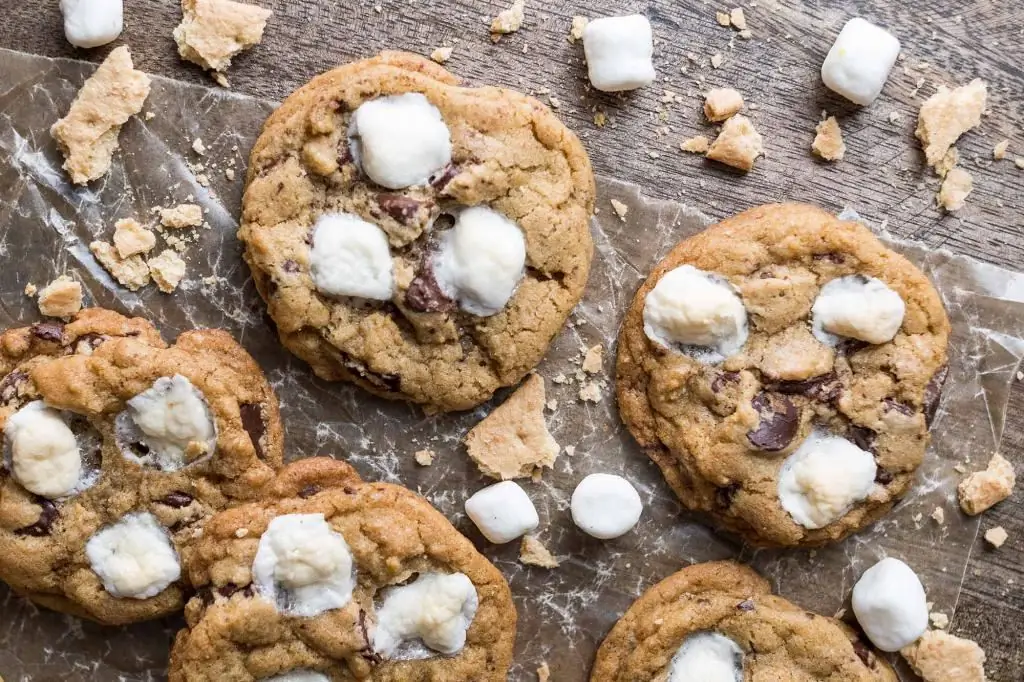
(863, 437)
(290, 266)
(851, 346)
(883, 477)
(349, 490)
(896, 406)
(402, 208)
(10, 385)
(177, 500)
(933, 394)
(309, 491)
(864, 654)
(384, 382)
(47, 517)
(724, 495)
(719, 382)
(824, 388)
(344, 153)
(832, 257)
(779, 422)
(424, 294)
(49, 331)
(252, 422)
(227, 590)
(746, 605)
(440, 179)
(367, 651)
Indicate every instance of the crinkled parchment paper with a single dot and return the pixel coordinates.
(45, 228)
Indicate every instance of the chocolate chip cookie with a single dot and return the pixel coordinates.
(782, 368)
(423, 240)
(331, 578)
(720, 621)
(116, 448)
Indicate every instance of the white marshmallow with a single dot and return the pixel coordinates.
(707, 657)
(175, 422)
(91, 23)
(45, 457)
(502, 512)
(481, 260)
(436, 609)
(605, 506)
(890, 605)
(134, 557)
(857, 307)
(298, 676)
(618, 51)
(351, 257)
(860, 60)
(400, 141)
(691, 307)
(303, 565)
(823, 478)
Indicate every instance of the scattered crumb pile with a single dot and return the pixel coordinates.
(943, 118)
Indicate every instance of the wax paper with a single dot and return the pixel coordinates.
(45, 228)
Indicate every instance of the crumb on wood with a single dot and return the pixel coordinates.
(198, 147)
(895, 117)
(182, 215)
(620, 209)
(533, 552)
(132, 239)
(947, 115)
(1019, 162)
(996, 536)
(695, 145)
(738, 18)
(999, 151)
(957, 184)
(939, 620)
(723, 18)
(716, 60)
(31, 289)
(941, 657)
(828, 142)
(424, 457)
(61, 298)
(983, 489)
(442, 54)
(939, 515)
(948, 162)
(543, 672)
(229, 173)
(593, 359)
(212, 32)
(132, 272)
(590, 392)
(722, 103)
(600, 118)
(738, 145)
(579, 23)
(167, 270)
(509, 20)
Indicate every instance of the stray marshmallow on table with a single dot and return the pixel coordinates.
(502, 512)
(605, 506)
(618, 51)
(890, 605)
(351, 257)
(860, 60)
(91, 23)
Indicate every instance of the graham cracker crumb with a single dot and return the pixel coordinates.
(721, 103)
(543, 672)
(87, 135)
(131, 238)
(948, 162)
(212, 32)
(509, 20)
(941, 657)
(593, 360)
(996, 536)
(203, 180)
(939, 620)
(149, 116)
(723, 18)
(600, 118)
(220, 79)
(533, 552)
(229, 173)
(61, 298)
(182, 215)
(513, 440)
(738, 18)
(578, 25)
(132, 272)
(31, 289)
(716, 60)
(947, 115)
(999, 151)
(424, 457)
(957, 184)
(620, 209)
(591, 392)
(983, 489)
(828, 143)
(1019, 162)
(167, 269)
(738, 145)
(746, 34)
(939, 515)
(442, 54)
(695, 145)
(198, 147)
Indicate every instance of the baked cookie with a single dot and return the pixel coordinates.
(423, 240)
(782, 369)
(719, 621)
(331, 578)
(116, 449)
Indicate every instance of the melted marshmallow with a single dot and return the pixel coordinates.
(436, 609)
(45, 457)
(824, 478)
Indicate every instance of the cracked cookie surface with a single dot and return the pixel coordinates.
(509, 153)
(722, 431)
(85, 372)
(236, 633)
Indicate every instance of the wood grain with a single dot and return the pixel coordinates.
(945, 42)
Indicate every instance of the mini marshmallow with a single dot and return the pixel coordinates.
(693, 308)
(175, 423)
(303, 565)
(860, 60)
(481, 260)
(707, 657)
(351, 257)
(618, 51)
(857, 307)
(91, 23)
(502, 512)
(605, 506)
(298, 676)
(436, 609)
(45, 457)
(134, 557)
(890, 605)
(824, 478)
(400, 141)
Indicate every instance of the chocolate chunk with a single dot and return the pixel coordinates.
(864, 654)
(723, 378)
(309, 491)
(252, 422)
(402, 208)
(824, 388)
(384, 382)
(746, 605)
(367, 651)
(896, 406)
(882, 476)
(227, 590)
(780, 421)
(424, 294)
(344, 153)
(863, 437)
(349, 490)
(49, 331)
(850, 346)
(177, 500)
(48, 514)
(933, 394)
(441, 178)
(724, 495)
(831, 257)
(290, 266)
(11, 384)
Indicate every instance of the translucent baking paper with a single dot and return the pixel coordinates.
(46, 226)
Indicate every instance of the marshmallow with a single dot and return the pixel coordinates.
(824, 478)
(707, 657)
(694, 308)
(45, 457)
(91, 23)
(860, 60)
(298, 676)
(303, 565)
(618, 51)
(890, 605)
(175, 424)
(502, 512)
(481, 260)
(436, 609)
(605, 506)
(400, 141)
(134, 557)
(857, 307)
(351, 257)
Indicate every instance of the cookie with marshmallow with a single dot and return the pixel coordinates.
(341, 577)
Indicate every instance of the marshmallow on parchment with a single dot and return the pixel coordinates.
(502, 512)
(605, 506)
(890, 605)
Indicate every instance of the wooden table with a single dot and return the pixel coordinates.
(883, 176)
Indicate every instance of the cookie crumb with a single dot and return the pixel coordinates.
(198, 147)
(543, 672)
(578, 25)
(996, 536)
(947, 163)
(132, 239)
(61, 298)
(716, 60)
(509, 20)
(132, 272)
(442, 54)
(695, 145)
(721, 103)
(957, 184)
(983, 489)
(999, 151)
(1019, 162)
(620, 209)
(167, 270)
(593, 360)
(241, 532)
(212, 32)
(941, 657)
(600, 119)
(947, 115)
(229, 173)
(182, 215)
(939, 620)
(591, 392)
(149, 116)
(513, 440)
(738, 18)
(738, 145)
(895, 117)
(723, 18)
(533, 552)
(424, 457)
(31, 289)
(828, 143)
(551, 405)
(938, 515)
